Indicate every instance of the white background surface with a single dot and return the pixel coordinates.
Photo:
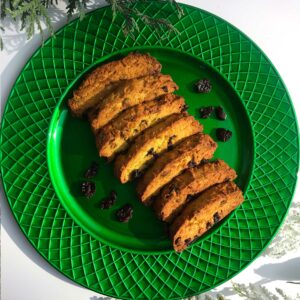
(275, 26)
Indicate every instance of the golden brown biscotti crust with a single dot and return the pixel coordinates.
(152, 141)
(190, 151)
(95, 85)
(201, 214)
(128, 94)
(116, 135)
(175, 195)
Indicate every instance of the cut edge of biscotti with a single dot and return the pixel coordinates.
(128, 94)
(201, 214)
(152, 142)
(188, 153)
(186, 186)
(105, 77)
(117, 134)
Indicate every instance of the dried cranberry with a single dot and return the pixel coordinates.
(91, 171)
(203, 86)
(191, 197)
(208, 225)
(165, 89)
(107, 203)
(216, 218)
(124, 214)
(177, 241)
(153, 153)
(192, 164)
(88, 188)
(220, 113)
(185, 107)
(170, 142)
(204, 161)
(223, 134)
(205, 112)
(188, 241)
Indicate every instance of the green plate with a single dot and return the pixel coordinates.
(71, 140)
(45, 152)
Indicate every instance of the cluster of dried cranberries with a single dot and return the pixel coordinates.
(88, 189)
(204, 86)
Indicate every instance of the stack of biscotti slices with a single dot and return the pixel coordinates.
(140, 124)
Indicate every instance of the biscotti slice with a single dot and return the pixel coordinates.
(116, 135)
(184, 187)
(100, 81)
(152, 141)
(128, 94)
(201, 214)
(187, 153)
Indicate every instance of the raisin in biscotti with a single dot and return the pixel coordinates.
(128, 94)
(116, 135)
(187, 153)
(201, 214)
(152, 141)
(183, 188)
(100, 81)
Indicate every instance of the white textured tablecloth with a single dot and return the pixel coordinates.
(275, 26)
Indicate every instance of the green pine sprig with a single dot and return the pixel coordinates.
(131, 14)
(33, 13)
(259, 292)
(77, 5)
